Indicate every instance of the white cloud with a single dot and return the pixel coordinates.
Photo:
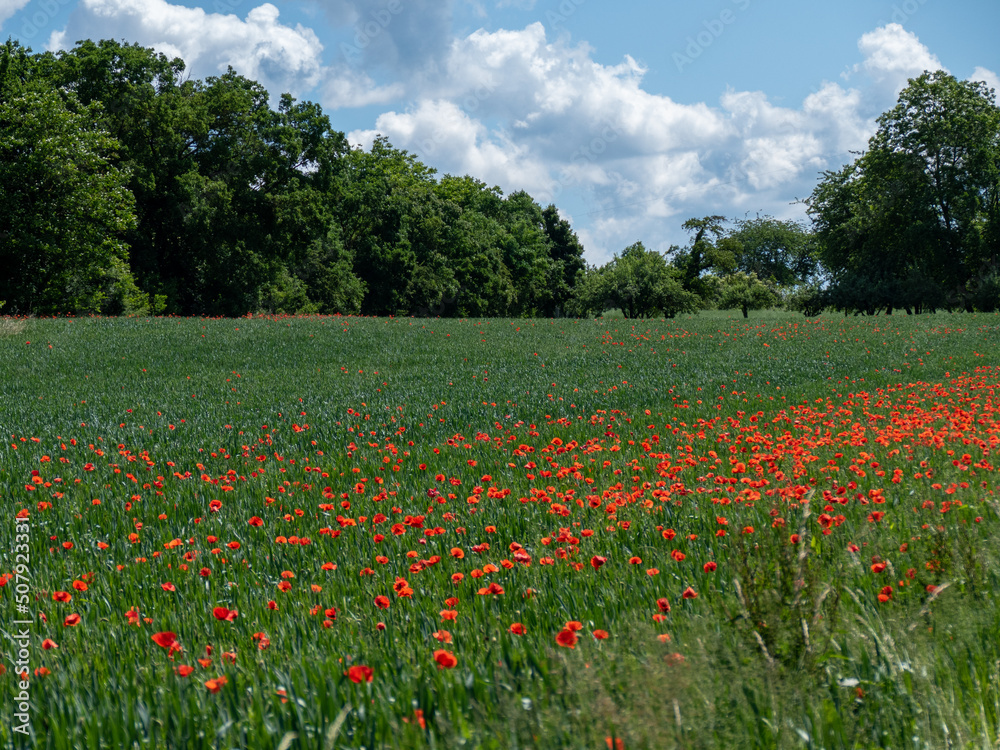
(893, 55)
(260, 47)
(9, 7)
(516, 109)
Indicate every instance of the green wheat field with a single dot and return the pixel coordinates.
(326, 532)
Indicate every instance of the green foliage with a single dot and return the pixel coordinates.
(783, 252)
(913, 220)
(786, 646)
(639, 282)
(746, 292)
(64, 207)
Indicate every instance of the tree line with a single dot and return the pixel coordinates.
(126, 187)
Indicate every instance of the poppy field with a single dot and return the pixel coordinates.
(326, 532)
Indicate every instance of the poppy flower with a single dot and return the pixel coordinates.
(442, 635)
(517, 629)
(71, 620)
(663, 604)
(61, 596)
(205, 663)
(284, 586)
(709, 567)
(359, 673)
(597, 561)
(79, 585)
(168, 586)
(222, 613)
(165, 639)
(273, 605)
(566, 638)
(382, 602)
(573, 625)
(600, 635)
(49, 643)
(184, 670)
(689, 593)
(215, 685)
(255, 521)
(205, 572)
(448, 614)
(445, 659)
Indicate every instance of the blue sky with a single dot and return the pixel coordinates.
(631, 117)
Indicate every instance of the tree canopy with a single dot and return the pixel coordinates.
(914, 222)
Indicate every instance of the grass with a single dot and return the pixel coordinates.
(850, 602)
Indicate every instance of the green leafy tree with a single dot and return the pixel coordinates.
(710, 249)
(782, 251)
(566, 252)
(640, 283)
(64, 208)
(746, 292)
(913, 222)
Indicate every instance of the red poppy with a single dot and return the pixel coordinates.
(600, 635)
(597, 561)
(710, 567)
(205, 572)
(184, 670)
(73, 619)
(517, 629)
(255, 521)
(690, 593)
(61, 596)
(164, 639)
(382, 602)
(360, 673)
(49, 643)
(573, 625)
(79, 585)
(272, 604)
(448, 614)
(168, 586)
(663, 604)
(222, 613)
(566, 638)
(215, 685)
(442, 635)
(445, 659)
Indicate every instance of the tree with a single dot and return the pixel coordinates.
(639, 283)
(782, 251)
(914, 220)
(64, 208)
(746, 292)
(567, 253)
(709, 249)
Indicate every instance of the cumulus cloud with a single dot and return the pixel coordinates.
(9, 7)
(523, 111)
(893, 55)
(259, 46)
